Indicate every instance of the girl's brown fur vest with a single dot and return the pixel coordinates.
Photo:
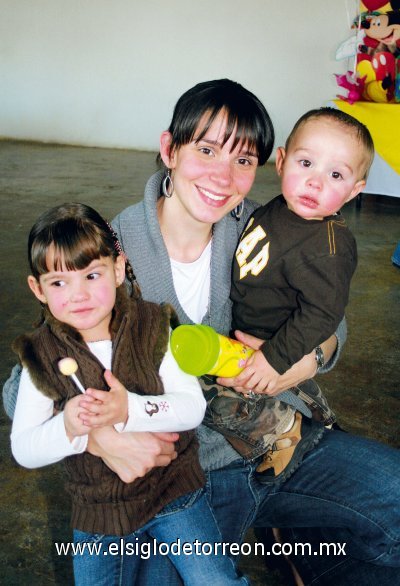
(101, 502)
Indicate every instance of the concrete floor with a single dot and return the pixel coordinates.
(363, 389)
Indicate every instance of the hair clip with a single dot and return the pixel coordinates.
(117, 243)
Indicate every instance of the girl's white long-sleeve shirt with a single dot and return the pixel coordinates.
(39, 438)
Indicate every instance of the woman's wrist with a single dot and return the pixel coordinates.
(328, 348)
(319, 357)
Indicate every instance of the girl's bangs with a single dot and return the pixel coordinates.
(74, 254)
(68, 248)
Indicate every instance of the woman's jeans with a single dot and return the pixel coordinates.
(110, 560)
(345, 493)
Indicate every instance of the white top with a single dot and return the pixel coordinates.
(38, 438)
(192, 284)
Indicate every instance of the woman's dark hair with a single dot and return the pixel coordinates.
(78, 234)
(246, 116)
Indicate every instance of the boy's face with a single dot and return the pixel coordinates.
(322, 169)
(83, 299)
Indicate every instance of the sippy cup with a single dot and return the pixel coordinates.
(199, 350)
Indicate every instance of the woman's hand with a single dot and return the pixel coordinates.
(304, 369)
(131, 455)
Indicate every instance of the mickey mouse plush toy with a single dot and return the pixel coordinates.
(383, 30)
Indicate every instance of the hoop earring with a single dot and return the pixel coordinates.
(238, 211)
(167, 185)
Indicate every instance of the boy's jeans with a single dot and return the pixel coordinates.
(187, 520)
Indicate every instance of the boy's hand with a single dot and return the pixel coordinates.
(263, 382)
(74, 426)
(100, 408)
(258, 375)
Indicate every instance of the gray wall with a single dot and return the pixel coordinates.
(107, 73)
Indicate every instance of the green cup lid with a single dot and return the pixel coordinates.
(195, 348)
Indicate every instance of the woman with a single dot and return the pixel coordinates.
(180, 241)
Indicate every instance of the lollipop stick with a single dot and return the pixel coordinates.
(77, 382)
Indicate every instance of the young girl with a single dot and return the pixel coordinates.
(77, 269)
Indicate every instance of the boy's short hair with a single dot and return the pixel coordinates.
(244, 111)
(361, 132)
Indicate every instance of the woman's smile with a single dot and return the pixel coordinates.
(217, 200)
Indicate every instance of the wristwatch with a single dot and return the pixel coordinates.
(319, 357)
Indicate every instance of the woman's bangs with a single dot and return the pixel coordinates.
(247, 135)
(203, 124)
(247, 132)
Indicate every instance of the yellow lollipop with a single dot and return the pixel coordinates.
(68, 367)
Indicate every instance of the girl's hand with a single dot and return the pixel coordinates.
(74, 426)
(101, 408)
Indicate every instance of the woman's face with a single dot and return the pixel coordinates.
(209, 180)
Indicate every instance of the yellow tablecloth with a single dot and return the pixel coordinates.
(383, 122)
